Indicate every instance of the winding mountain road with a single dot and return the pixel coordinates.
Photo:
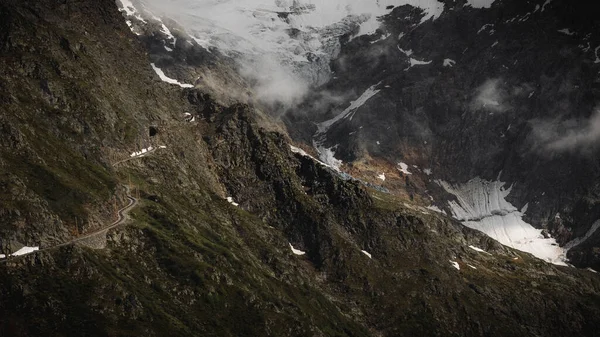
(122, 217)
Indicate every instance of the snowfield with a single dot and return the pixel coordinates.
(481, 205)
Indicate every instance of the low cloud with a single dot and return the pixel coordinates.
(491, 96)
(274, 84)
(573, 135)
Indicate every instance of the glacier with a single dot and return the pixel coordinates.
(481, 205)
(286, 46)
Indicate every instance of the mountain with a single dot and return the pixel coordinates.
(505, 95)
(499, 116)
(148, 188)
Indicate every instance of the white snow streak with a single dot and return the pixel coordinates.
(381, 176)
(566, 31)
(578, 241)
(296, 251)
(415, 62)
(24, 251)
(455, 264)
(479, 250)
(349, 111)
(167, 79)
(367, 254)
(484, 27)
(546, 4)
(303, 153)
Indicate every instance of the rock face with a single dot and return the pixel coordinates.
(79, 96)
(507, 93)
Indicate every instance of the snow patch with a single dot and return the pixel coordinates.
(164, 77)
(482, 205)
(25, 251)
(230, 200)
(403, 168)
(470, 266)
(142, 152)
(381, 176)
(296, 251)
(455, 264)
(566, 31)
(449, 63)
(596, 54)
(367, 254)
(415, 62)
(428, 171)
(408, 53)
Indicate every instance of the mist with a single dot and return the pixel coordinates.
(491, 96)
(273, 84)
(573, 135)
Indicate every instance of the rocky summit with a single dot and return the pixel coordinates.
(299, 168)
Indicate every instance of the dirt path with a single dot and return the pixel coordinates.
(122, 217)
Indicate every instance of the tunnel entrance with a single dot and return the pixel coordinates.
(152, 131)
